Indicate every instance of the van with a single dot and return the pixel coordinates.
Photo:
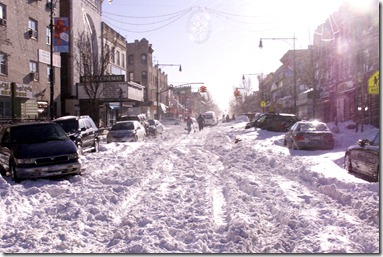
(82, 130)
(210, 118)
(36, 150)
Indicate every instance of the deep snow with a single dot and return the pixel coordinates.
(197, 193)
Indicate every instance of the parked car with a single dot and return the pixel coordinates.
(309, 135)
(363, 157)
(155, 127)
(36, 150)
(280, 122)
(82, 130)
(253, 118)
(126, 131)
(141, 118)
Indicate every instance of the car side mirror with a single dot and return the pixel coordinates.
(361, 142)
(5, 143)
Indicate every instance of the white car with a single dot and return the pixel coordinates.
(210, 118)
(155, 127)
(126, 131)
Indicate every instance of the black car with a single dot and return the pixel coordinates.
(35, 150)
(309, 135)
(82, 130)
(280, 122)
(363, 157)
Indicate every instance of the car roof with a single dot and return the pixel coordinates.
(310, 121)
(70, 117)
(128, 121)
(26, 123)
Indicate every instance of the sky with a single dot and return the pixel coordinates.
(197, 193)
(216, 41)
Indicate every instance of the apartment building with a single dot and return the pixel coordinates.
(143, 71)
(349, 42)
(25, 60)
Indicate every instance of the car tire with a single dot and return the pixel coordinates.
(3, 172)
(79, 149)
(347, 163)
(14, 174)
(96, 146)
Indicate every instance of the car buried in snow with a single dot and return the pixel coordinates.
(363, 157)
(309, 135)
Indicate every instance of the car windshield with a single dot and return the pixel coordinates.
(313, 127)
(123, 126)
(38, 133)
(69, 126)
(151, 122)
(208, 116)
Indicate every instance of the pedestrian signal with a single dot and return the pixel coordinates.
(202, 89)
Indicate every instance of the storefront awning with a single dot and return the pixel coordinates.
(114, 106)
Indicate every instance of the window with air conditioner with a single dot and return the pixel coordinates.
(32, 25)
(33, 71)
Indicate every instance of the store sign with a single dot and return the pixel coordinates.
(45, 57)
(105, 78)
(21, 90)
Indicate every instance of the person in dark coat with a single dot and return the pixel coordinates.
(227, 118)
(201, 122)
(189, 123)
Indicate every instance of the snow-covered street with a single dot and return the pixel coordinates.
(197, 193)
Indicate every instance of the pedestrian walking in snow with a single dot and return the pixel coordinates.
(189, 123)
(201, 122)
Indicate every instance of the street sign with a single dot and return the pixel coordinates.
(373, 84)
(263, 104)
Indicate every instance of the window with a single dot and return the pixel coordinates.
(48, 36)
(32, 66)
(118, 57)
(48, 72)
(3, 13)
(113, 55)
(123, 60)
(143, 59)
(144, 76)
(3, 64)
(32, 25)
(131, 76)
(130, 59)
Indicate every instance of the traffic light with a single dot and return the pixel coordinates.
(202, 89)
(236, 92)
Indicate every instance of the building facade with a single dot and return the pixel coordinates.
(25, 61)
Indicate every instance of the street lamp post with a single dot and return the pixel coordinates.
(51, 75)
(158, 85)
(294, 59)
